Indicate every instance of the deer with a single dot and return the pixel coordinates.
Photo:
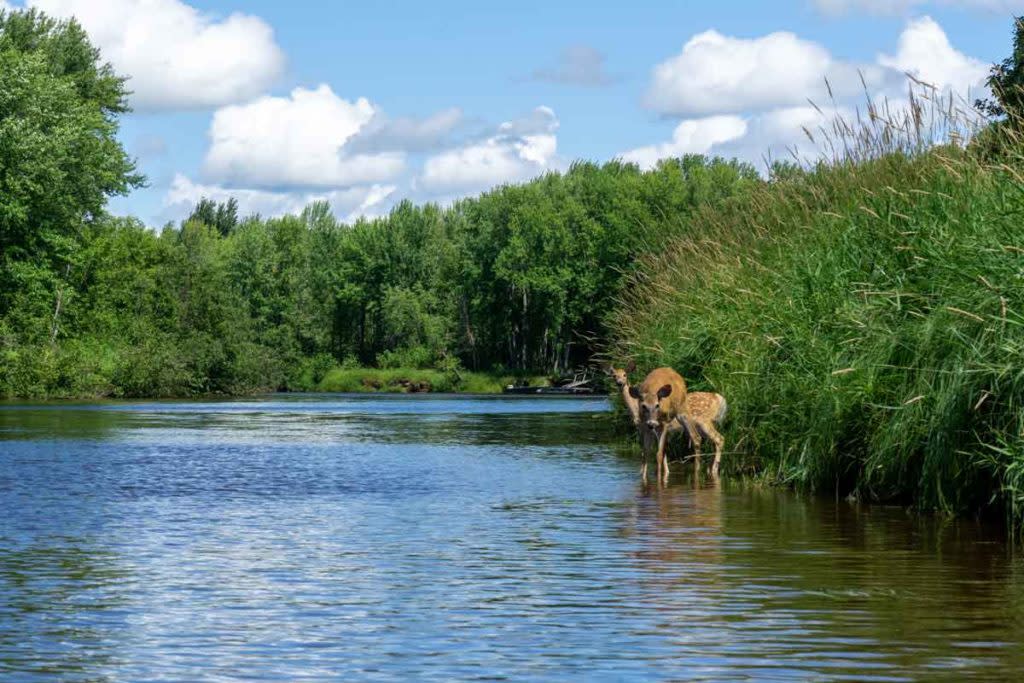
(661, 398)
(704, 410)
(621, 377)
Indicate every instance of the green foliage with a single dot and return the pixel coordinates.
(1006, 80)
(223, 216)
(406, 379)
(59, 155)
(520, 278)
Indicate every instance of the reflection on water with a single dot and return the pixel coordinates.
(376, 538)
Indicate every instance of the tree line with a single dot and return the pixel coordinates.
(521, 278)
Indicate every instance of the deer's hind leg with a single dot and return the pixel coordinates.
(708, 428)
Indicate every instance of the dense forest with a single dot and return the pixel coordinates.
(520, 279)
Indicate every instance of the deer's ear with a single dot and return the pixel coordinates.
(665, 391)
(634, 392)
(631, 366)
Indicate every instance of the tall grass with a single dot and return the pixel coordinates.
(865, 318)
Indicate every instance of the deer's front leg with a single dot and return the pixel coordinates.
(645, 448)
(662, 464)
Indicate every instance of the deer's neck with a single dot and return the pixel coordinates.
(631, 403)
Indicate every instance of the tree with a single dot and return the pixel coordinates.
(1006, 80)
(222, 216)
(59, 155)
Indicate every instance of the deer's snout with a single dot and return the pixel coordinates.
(652, 424)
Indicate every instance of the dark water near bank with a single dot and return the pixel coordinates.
(320, 538)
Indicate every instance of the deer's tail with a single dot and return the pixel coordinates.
(723, 408)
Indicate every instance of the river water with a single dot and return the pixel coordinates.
(318, 537)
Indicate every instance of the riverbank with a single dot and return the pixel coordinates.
(334, 380)
(412, 380)
(866, 322)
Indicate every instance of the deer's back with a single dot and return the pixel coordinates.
(705, 405)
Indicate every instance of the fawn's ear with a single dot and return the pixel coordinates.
(631, 366)
(665, 391)
(635, 392)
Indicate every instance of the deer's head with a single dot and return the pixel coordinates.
(621, 375)
(651, 404)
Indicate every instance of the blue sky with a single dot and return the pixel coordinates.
(461, 95)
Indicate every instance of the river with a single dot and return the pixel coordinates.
(325, 537)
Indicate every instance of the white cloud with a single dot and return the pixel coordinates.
(924, 51)
(716, 74)
(782, 134)
(348, 204)
(902, 6)
(295, 141)
(758, 90)
(277, 154)
(521, 149)
(693, 136)
(773, 135)
(176, 56)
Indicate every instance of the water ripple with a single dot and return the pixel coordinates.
(318, 538)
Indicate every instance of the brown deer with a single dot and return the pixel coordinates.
(621, 378)
(662, 400)
(706, 411)
(703, 411)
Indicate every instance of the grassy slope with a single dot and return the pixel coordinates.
(866, 323)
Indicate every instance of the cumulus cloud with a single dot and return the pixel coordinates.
(296, 141)
(275, 155)
(577, 65)
(716, 74)
(836, 7)
(176, 56)
(519, 150)
(924, 50)
(758, 90)
(348, 203)
(694, 136)
(757, 139)
(790, 134)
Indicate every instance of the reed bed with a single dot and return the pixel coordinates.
(863, 314)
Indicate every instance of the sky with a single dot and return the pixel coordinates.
(365, 104)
